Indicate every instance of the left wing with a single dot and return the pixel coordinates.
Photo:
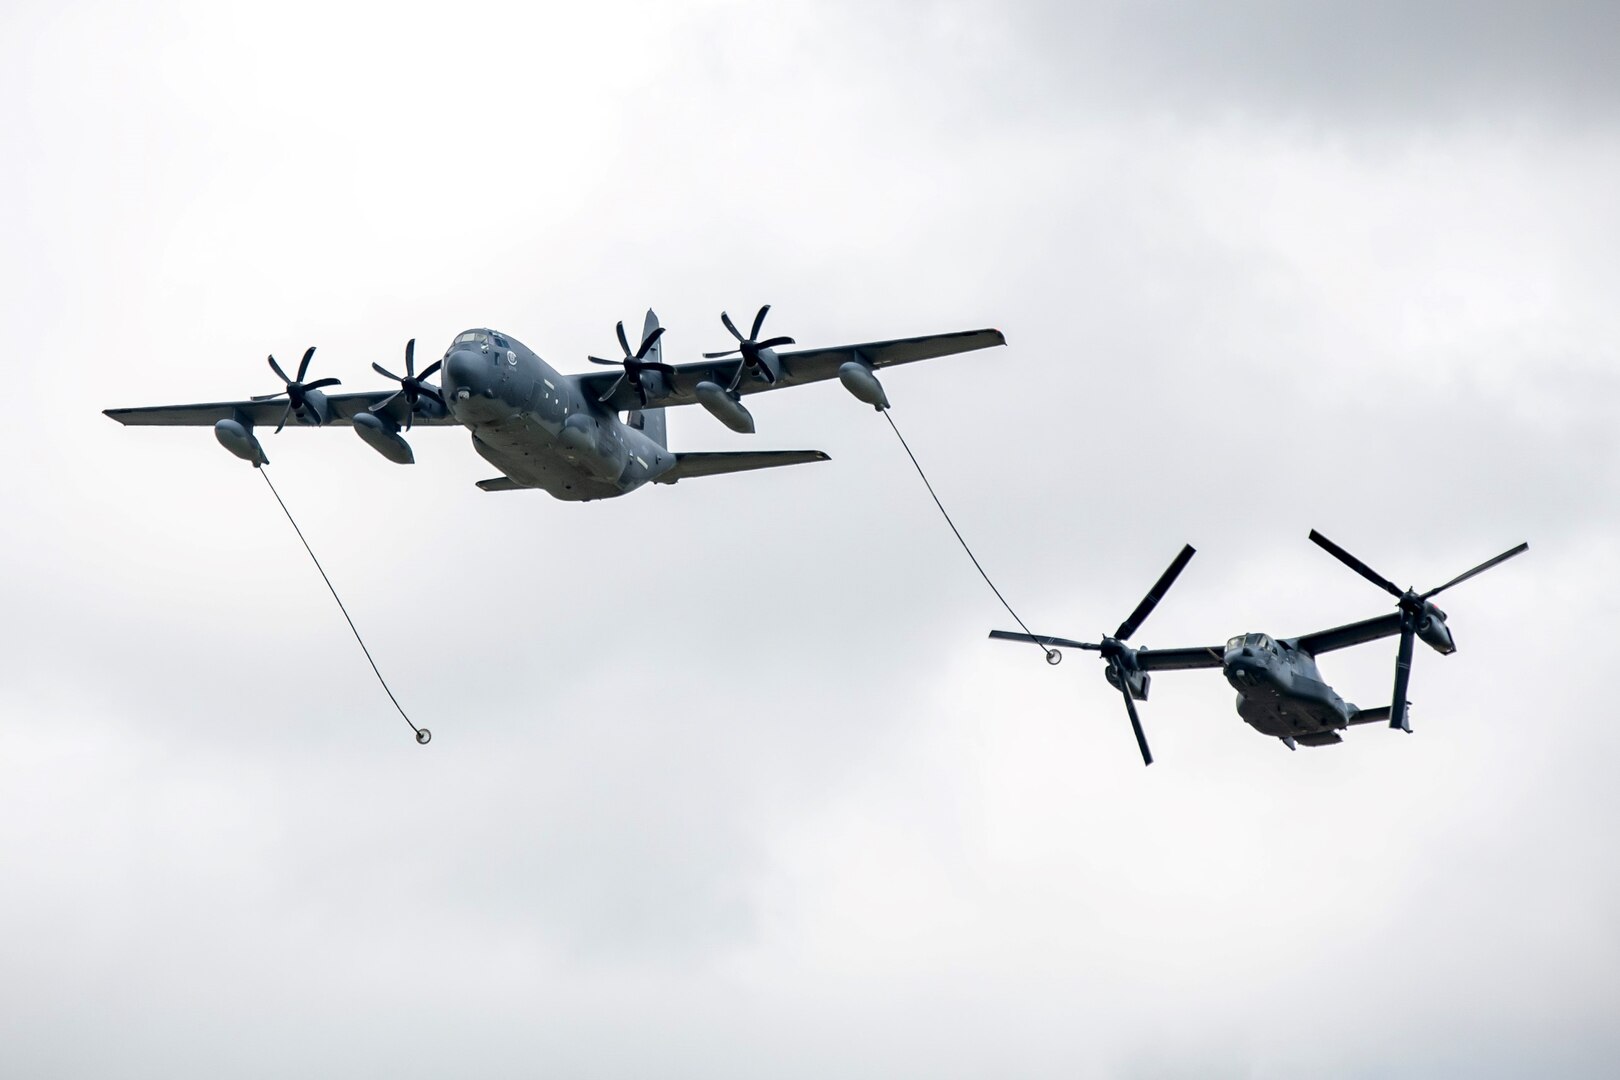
(798, 368)
(1356, 633)
(1179, 659)
(267, 414)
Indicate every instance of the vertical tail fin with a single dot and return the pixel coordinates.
(650, 422)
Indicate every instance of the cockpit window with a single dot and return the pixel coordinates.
(1259, 641)
(472, 337)
(500, 341)
(1235, 643)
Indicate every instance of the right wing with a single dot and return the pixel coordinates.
(798, 368)
(1356, 633)
(267, 414)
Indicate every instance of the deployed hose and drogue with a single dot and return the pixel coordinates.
(1051, 654)
(423, 735)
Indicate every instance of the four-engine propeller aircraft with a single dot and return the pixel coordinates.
(563, 433)
(1281, 692)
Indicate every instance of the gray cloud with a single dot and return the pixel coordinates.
(726, 779)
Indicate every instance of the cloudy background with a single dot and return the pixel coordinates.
(727, 781)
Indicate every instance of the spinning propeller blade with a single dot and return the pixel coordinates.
(1355, 564)
(295, 390)
(1155, 594)
(750, 348)
(414, 387)
(634, 363)
(1416, 611)
(1136, 722)
(1403, 675)
(1480, 569)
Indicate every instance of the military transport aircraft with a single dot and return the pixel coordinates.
(1280, 691)
(563, 433)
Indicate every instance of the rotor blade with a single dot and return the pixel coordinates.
(718, 355)
(606, 396)
(268, 397)
(736, 379)
(623, 341)
(1355, 564)
(649, 341)
(410, 357)
(1403, 675)
(431, 368)
(1136, 722)
(731, 326)
(275, 367)
(759, 321)
(318, 383)
(385, 373)
(1155, 594)
(303, 365)
(775, 341)
(609, 363)
(385, 402)
(285, 414)
(1480, 569)
(1049, 642)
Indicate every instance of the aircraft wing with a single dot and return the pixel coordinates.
(1179, 659)
(1356, 633)
(266, 414)
(798, 368)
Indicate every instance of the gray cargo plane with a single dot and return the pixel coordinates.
(562, 433)
(1281, 692)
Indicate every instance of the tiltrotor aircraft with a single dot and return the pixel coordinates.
(1280, 691)
(563, 433)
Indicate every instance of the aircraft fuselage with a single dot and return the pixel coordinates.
(1281, 693)
(538, 427)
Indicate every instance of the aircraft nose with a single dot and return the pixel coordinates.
(466, 374)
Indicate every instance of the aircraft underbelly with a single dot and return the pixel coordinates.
(527, 450)
(1303, 710)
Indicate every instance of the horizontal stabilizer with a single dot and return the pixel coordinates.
(713, 464)
(501, 483)
(1370, 716)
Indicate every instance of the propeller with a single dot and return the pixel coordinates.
(413, 386)
(751, 349)
(1416, 610)
(635, 363)
(296, 390)
(1120, 657)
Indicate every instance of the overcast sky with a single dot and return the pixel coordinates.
(726, 779)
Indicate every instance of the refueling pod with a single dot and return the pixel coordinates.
(238, 438)
(382, 435)
(724, 407)
(857, 377)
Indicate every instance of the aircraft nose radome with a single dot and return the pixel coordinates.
(464, 371)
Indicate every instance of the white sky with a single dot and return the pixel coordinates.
(726, 779)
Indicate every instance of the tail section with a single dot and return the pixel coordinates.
(650, 422)
(714, 464)
(1369, 716)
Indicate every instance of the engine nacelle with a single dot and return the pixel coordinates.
(724, 407)
(1432, 628)
(1136, 681)
(857, 377)
(382, 435)
(238, 438)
